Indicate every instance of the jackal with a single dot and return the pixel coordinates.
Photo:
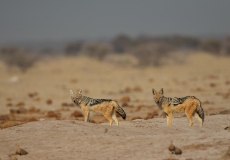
(189, 104)
(107, 107)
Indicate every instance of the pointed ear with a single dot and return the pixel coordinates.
(71, 93)
(161, 91)
(80, 92)
(154, 91)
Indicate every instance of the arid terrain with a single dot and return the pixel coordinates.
(36, 111)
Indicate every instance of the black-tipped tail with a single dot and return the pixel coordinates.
(200, 112)
(121, 112)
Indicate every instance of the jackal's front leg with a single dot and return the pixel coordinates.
(86, 115)
(169, 119)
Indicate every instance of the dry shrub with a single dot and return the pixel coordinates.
(198, 89)
(150, 54)
(20, 104)
(126, 90)
(96, 50)
(9, 123)
(227, 111)
(49, 101)
(4, 117)
(32, 109)
(8, 99)
(53, 114)
(211, 46)
(211, 76)
(139, 108)
(137, 89)
(124, 104)
(65, 104)
(73, 48)
(151, 115)
(17, 57)
(137, 117)
(125, 99)
(32, 119)
(226, 95)
(227, 82)
(33, 94)
(77, 114)
(9, 104)
(36, 99)
(207, 102)
(227, 46)
(18, 111)
(121, 43)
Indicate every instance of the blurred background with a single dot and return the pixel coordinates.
(111, 49)
(148, 30)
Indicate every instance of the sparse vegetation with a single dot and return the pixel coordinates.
(17, 57)
(147, 50)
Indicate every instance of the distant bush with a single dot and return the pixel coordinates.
(96, 50)
(121, 43)
(227, 45)
(211, 45)
(17, 57)
(74, 48)
(150, 54)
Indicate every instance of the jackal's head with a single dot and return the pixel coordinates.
(157, 96)
(76, 98)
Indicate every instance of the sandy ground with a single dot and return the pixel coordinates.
(138, 139)
(36, 111)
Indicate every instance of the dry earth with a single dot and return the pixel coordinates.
(138, 139)
(36, 111)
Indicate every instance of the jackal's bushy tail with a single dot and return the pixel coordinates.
(119, 110)
(200, 111)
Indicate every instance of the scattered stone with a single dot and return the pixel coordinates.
(106, 130)
(227, 128)
(178, 151)
(20, 151)
(171, 147)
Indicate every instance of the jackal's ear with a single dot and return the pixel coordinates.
(161, 91)
(154, 91)
(71, 93)
(80, 92)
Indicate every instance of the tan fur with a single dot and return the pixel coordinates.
(189, 107)
(107, 108)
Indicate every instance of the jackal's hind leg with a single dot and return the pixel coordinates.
(110, 119)
(198, 117)
(115, 118)
(189, 115)
(107, 112)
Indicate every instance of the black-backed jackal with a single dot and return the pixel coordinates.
(189, 104)
(107, 107)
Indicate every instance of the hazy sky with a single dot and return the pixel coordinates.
(24, 20)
